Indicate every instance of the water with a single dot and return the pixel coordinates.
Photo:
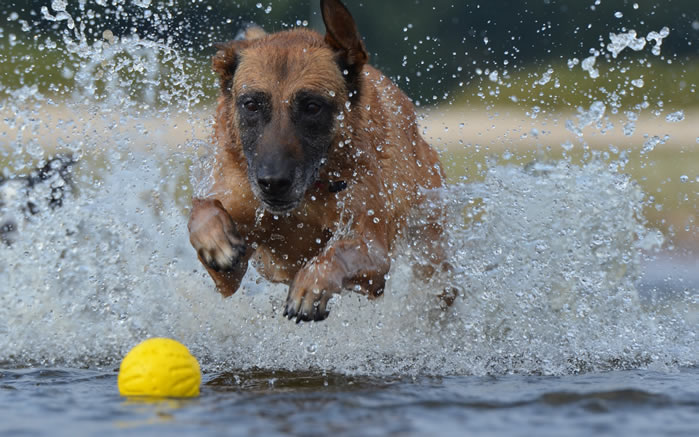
(297, 403)
(566, 320)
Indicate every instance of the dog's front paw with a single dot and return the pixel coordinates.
(308, 296)
(214, 236)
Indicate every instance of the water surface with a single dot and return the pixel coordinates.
(62, 401)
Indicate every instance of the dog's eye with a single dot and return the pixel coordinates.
(251, 106)
(312, 108)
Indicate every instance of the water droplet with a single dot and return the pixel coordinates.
(658, 38)
(59, 5)
(588, 64)
(675, 117)
(546, 77)
(620, 41)
(108, 35)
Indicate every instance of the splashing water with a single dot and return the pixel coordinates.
(547, 278)
(622, 40)
(547, 266)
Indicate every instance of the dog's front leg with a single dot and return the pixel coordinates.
(219, 246)
(358, 264)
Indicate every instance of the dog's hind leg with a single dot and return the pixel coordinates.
(430, 255)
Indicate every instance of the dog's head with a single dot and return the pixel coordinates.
(283, 94)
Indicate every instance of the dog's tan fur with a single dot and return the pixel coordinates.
(332, 240)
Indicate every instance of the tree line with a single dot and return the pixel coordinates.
(428, 46)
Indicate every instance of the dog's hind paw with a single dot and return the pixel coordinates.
(214, 236)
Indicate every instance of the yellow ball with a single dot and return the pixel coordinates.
(159, 367)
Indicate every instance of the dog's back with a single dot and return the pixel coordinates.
(404, 164)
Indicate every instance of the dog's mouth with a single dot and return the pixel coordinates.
(287, 197)
(276, 206)
(285, 201)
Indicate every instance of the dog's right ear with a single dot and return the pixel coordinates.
(225, 61)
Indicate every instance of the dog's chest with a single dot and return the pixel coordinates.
(280, 251)
(289, 241)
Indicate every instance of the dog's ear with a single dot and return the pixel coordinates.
(253, 31)
(249, 31)
(342, 34)
(225, 61)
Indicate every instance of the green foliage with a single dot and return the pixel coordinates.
(420, 43)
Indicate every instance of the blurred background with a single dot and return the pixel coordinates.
(496, 81)
(430, 48)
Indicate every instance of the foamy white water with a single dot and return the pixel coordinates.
(547, 274)
(547, 257)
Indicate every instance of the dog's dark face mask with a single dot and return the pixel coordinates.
(285, 142)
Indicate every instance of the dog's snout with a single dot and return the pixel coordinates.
(274, 185)
(274, 182)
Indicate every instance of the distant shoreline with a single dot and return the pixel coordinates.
(513, 128)
(443, 127)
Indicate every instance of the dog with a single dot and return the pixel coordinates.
(318, 163)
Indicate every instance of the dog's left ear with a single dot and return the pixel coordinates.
(342, 35)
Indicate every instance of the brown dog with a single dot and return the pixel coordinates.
(318, 162)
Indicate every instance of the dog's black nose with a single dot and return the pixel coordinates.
(274, 184)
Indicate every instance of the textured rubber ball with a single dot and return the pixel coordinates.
(159, 367)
